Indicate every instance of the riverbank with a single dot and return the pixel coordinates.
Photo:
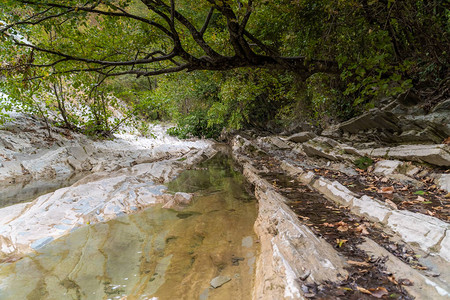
(119, 176)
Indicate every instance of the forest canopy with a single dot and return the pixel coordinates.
(231, 63)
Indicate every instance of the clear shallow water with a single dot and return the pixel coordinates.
(159, 253)
(23, 192)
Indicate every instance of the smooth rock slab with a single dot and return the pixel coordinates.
(372, 209)
(219, 281)
(438, 155)
(387, 167)
(423, 230)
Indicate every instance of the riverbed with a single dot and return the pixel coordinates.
(154, 254)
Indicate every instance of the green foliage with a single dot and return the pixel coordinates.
(363, 162)
(195, 125)
(383, 48)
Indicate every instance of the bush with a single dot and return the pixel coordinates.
(195, 125)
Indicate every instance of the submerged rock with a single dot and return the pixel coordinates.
(219, 281)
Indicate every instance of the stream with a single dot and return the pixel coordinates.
(156, 253)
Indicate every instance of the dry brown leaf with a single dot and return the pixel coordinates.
(343, 228)
(358, 263)
(391, 204)
(379, 292)
(384, 179)
(407, 203)
(405, 188)
(386, 190)
(371, 188)
(328, 224)
(421, 199)
(362, 229)
(446, 141)
(392, 279)
(447, 196)
(430, 213)
(363, 290)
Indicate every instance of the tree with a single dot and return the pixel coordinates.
(347, 54)
(165, 37)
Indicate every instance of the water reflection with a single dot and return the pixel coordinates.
(159, 253)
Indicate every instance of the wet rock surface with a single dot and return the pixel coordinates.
(155, 253)
(118, 177)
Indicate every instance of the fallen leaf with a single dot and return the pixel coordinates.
(392, 279)
(430, 213)
(328, 224)
(343, 228)
(405, 188)
(371, 188)
(420, 198)
(358, 263)
(362, 229)
(340, 242)
(379, 292)
(419, 193)
(446, 141)
(359, 170)
(447, 196)
(391, 204)
(386, 190)
(363, 290)
(384, 179)
(407, 203)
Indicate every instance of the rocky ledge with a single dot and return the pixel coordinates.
(299, 260)
(120, 176)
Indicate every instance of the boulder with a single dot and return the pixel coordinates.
(301, 137)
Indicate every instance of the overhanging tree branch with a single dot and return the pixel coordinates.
(149, 62)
